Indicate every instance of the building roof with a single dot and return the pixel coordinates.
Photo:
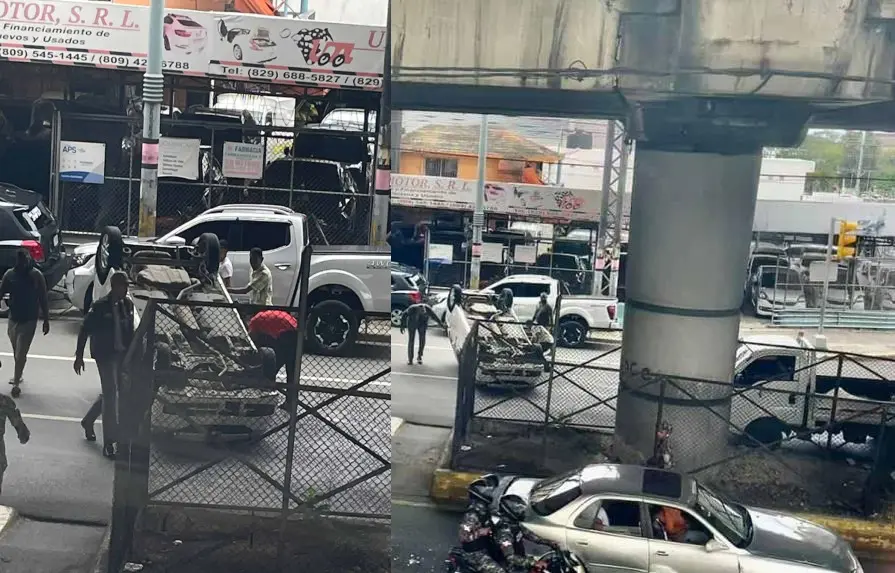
(464, 140)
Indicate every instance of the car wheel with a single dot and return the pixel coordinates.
(237, 52)
(572, 333)
(765, 431)
(332, 328)
(209, 247)
(397, 313)
(109, 253)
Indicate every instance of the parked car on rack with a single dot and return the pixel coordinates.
(408, 287)
(723, 536)
(346, 285)
(26, 223)
(579, 315)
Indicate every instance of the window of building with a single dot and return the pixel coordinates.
(440, 167)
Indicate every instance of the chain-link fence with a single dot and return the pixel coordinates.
(795, 428)
(215, 157)
(230, 465)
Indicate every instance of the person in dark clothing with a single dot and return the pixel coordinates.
(109, 325)
(395, 237)
(509, 534)
(27, 292)
(416, 320)
(543, 312)
(475, 526)
(277, 329)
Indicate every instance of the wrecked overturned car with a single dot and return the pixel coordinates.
(510, 352)
(212, 382)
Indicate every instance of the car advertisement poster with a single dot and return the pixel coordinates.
(82, 162)
(216, 44)
(284, 50)
(539, 201)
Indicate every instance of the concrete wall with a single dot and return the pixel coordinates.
(667, 46)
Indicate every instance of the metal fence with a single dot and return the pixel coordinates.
(325, 175)
(228, 465)
(805, 430)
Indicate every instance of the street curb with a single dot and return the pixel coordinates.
(874, 539)
(8, 516)
(101, 565)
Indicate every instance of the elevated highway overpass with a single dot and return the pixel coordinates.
(701, 85)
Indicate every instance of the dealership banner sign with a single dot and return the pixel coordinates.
(532, 201)
(214, 44)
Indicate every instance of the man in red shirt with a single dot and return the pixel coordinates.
(277, 329)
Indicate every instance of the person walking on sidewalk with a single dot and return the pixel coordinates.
(415, 319)
(10, 412)
(109, 325)
(260, 287)
(27, 292)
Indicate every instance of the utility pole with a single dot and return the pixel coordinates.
(383, 185)
(612, 212)
(153, 95)
(478, 216)
(860, 174)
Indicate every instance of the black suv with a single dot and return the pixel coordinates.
(26, 223)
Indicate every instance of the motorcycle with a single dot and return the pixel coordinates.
(550, 562)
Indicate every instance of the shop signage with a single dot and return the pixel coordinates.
(531, 201)
(82, 162)
(215, 44)
(243, 160)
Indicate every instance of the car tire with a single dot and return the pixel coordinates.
(397, 312)
(209, 246)
(339, 324)
(109, 253)
(167, 43)
(572, 333)
(765, 431)
(268, 363)
(453, 297)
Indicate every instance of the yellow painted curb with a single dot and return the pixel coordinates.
(7, 517)
(876, 538)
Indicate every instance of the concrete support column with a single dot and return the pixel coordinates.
(691, 223)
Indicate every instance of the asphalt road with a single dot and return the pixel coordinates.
(422, 536)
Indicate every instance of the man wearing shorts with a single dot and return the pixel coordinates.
(27, 292)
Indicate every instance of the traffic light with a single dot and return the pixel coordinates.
(847, 239)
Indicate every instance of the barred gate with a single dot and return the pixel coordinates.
(335, 195)
(565, 417)
(194, 492)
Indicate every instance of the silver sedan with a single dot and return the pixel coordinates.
(619, 518)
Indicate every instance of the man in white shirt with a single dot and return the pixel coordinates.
(226, 268)
(260, 287)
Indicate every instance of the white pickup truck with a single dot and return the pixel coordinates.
(579, 314)
(343, 280)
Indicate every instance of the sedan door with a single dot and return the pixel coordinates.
(620, 546)
(679, 557)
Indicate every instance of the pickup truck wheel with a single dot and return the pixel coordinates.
(109, 252)
(397, 312)
(332, 328)
(766, 431)
(572, 333)
(209, 247)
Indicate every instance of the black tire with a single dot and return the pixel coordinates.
(572, 333)
(167, 44)
(269, 367)
(332, 328)
(210, 248)
(453, 297)
(765, 431)
(397, 311)
(109, 252)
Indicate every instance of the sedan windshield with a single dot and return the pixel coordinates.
(730, 519)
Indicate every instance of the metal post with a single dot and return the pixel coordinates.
(615, 170)
(820, 339)
(858, 175)
(383, 186)
(153, 95)
(478, 216)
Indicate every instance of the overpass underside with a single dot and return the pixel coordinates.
(702, 85)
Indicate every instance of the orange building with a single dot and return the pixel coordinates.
(452, 151)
